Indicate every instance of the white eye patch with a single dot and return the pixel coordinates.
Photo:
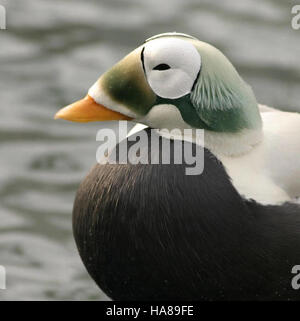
(171, 66)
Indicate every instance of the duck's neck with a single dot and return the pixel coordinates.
(228, 144)
(227, 131)
(233, 144)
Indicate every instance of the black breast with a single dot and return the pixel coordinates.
(151, 232)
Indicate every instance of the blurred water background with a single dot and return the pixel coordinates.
(51, 52)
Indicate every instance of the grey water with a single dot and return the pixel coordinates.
(50, 54)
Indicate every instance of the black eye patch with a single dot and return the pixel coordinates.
(162, 67)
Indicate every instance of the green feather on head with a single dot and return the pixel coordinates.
(222, 99)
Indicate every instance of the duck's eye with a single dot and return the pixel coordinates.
(162, 67)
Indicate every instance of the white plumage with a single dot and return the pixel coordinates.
(270, 172)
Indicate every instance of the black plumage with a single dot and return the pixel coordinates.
(151, 232)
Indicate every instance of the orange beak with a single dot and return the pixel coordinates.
(86, 110)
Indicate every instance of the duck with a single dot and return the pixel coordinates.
(151, 232)
(176, 81)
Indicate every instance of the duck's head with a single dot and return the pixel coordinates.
(171, 81)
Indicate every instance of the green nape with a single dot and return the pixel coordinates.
(229, 120)
(221, 98)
